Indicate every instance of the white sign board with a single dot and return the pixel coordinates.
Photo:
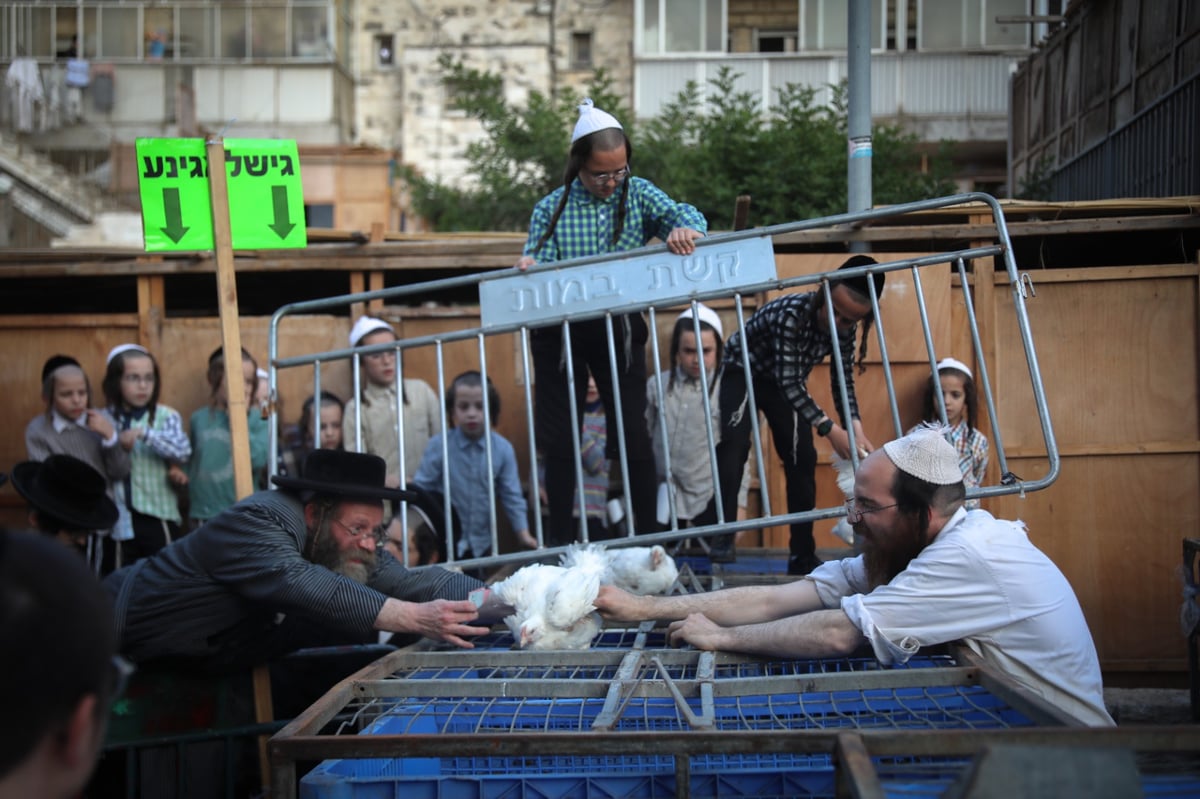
(548, 293)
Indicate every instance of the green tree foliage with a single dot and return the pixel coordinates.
(705, 150)
(520, 159)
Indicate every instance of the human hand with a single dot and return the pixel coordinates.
(176, 475)
(129, 437)
(392, 481)
(616, 604)
(697, 630)
(524, 262)
(527, 540)
(99, 424)
(681, 240)
(865, 447)
(446, 620)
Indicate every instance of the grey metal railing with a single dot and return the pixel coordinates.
(729, 266)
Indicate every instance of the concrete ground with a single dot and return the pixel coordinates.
(1149, 705)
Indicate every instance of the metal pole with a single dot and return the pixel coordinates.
(858, 69)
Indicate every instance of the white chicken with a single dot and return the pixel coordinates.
(525, 590)
(642, 570)
(845, 481)
(554, 605)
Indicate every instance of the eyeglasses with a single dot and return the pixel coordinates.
(601, 178)
(379, 534)
(854, 513)
(118, 677)
(147, 380)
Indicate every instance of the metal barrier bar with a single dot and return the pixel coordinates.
(728, 266)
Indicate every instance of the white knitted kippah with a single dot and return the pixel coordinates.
(120, 348)
(708, 316)
(927, 455)
(955, 363)
(592, 119)
(365, 326)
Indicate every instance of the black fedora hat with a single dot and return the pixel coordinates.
(67, 489)
(354, 475)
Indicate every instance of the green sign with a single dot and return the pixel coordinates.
(266, 198)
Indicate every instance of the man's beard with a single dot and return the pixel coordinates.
(887, 556)
(325, 553)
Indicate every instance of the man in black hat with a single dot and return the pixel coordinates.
(288, 569)
(68, 499)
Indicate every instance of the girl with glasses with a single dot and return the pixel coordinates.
(158, 447)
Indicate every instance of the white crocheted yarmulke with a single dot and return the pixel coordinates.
(365, 326)
(592, 119)
(707, 315)
(120, 348)
(927, 455)
(954, 363)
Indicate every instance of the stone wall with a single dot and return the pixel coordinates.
(403, 106)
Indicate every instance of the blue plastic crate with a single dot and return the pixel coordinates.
(640, 776)
(762, 776)
(928, 707)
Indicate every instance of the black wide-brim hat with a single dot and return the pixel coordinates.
(67, 489)
(353, 475)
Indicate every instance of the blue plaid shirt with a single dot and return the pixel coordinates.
(586, 225)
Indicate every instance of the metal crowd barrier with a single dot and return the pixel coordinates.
(730, 267)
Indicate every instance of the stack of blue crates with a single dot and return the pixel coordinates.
(646, 776)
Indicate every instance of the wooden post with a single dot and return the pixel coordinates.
(239, 429)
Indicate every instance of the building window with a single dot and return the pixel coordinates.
(318, 215)
(824, 24)
(450, 92)
(968, 24)
(581, 50)
(385, 50)
(681, 26)
(774, 41)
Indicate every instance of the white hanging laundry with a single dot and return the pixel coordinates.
(25, 82)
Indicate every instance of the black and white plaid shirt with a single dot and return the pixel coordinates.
(788, 337)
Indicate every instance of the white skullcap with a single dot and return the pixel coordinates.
(120, 348)
(592, 119)
(926, 455)
(954, 363)
(365, 326)
(708, 316)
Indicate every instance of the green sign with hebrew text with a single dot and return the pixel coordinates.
(266, 197)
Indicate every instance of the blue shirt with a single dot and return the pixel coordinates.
(469, 485)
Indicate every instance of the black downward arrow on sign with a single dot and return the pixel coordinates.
(174, 229)
(283, 223)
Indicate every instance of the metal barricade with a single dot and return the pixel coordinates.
(729, 267)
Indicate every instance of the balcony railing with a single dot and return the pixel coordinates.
(971, 88)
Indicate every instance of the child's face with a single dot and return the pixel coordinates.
(689, 354)
(593, 393)
(331, 426)
(380, 368)
(848, 309)
(249, 380)
(954, 395)
(468, 410)
(137, 381)
(70, 397)
(609, 164)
